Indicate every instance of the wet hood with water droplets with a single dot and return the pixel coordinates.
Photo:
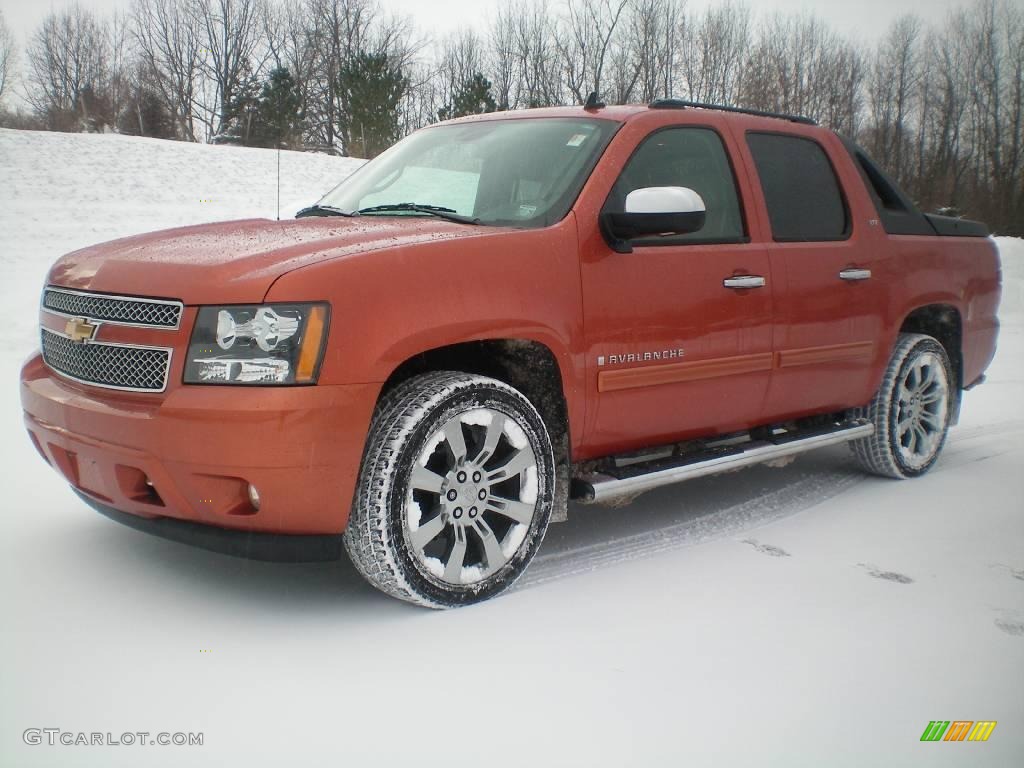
(237, 261)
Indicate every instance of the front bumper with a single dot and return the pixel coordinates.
(190, 454)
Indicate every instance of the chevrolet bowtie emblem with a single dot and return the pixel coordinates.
(79, 329)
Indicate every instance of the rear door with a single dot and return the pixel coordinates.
(828, 298)
(676, 345)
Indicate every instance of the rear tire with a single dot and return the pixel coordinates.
(455, 491)
(911, 411)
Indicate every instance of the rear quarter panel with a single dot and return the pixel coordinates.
(962, 272)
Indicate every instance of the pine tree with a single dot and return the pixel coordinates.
(474, 98)
(146, 115)
(371, 89)
(240, 112)
(279, 116)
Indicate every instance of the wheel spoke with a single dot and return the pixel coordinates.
(456, 439)
(932, 421)
(492, 547)
(921, 443)
(494, 431)
(932, 397)
(425, 480)
(929, 378)
(520, 461)
(427, 532)
(453, 568)
(514, 510)
(911, 435)
(913, 378)
(904, 425)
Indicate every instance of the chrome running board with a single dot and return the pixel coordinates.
(616, 483)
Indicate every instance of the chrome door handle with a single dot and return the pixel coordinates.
(855, 274)
(744, 281)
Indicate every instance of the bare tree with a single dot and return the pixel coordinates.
(652, 40)
(714, 45)
(7, 56)
(892, 92)
(121, 64)
(339, 30)
(459, 57)
(798, 65)
(997, 36)
(288, 37)
(502, 53)
(948, 155)
(231, 34)
(68, 57)
(523, 56)
(171, 46)
(533, 38)
(584, 42)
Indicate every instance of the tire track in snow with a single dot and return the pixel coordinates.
(795, 494)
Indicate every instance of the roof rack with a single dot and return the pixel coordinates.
(683, 104)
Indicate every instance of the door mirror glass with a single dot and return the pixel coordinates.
(651, 211)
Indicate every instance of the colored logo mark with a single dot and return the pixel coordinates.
(958, 730)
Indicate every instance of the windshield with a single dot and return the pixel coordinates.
(521, 172)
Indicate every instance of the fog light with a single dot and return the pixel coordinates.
(254, 497)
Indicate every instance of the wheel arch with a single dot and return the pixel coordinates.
(526, 364)
(943, 322)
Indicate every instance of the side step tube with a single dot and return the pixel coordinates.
(599, 487)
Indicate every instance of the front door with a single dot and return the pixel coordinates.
(678, 332)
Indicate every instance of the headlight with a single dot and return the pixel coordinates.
(269, 344)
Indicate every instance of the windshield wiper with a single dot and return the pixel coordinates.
(322, 210)
(434, 210)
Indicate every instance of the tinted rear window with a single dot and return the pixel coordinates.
(800, 188)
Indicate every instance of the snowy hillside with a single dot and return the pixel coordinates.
(78, 189)
(802, 616)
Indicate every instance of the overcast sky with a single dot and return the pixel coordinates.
(860, 18)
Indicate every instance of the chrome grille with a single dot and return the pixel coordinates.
(114, 309)
(142, 369)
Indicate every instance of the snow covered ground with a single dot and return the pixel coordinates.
(804, 616)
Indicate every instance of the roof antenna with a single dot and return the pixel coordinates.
(592, 102)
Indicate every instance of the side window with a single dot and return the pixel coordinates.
(686, 157)
(800, 188)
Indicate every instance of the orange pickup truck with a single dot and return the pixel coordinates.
(500, 314)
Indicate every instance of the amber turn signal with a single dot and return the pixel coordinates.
(312, 345)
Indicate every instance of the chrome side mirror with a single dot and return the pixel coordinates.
(654, 211)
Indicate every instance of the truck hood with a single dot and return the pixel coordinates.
(235, 262)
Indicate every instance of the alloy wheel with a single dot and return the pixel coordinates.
(472, 496)
(922, 410)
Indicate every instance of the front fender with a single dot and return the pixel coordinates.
(390, 305)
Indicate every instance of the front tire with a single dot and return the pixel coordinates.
(911, 411)
(455, 491)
